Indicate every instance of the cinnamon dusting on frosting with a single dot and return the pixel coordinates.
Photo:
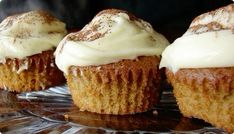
(29, 33)
(117, 11)
(91, 31)
(219, 19)
(83, 34)
(30, 18)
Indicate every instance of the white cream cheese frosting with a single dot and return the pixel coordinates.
(109, 38)
(29, 34)
(208, 43)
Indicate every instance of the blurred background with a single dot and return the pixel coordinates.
(169, 17)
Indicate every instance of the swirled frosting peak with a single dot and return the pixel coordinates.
(29, 33)
(112, 35)
(208, 43)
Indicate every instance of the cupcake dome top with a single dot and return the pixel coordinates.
(29, 33)
(112, 35)
(208, 43)
(219, 19)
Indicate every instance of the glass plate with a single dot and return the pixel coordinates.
(52, 111)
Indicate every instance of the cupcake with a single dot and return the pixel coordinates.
(27, 44)
(200, 67)
(111, 65)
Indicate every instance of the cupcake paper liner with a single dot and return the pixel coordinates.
(125, 87)
(32, 73)
(206, 94)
